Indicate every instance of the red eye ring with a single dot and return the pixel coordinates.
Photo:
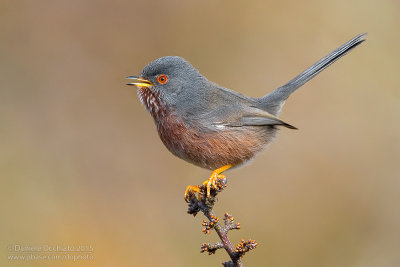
(162, 79)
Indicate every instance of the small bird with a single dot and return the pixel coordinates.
(209, 125)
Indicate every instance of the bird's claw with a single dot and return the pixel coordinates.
(216, 182)
(211, 182)
(190, 191)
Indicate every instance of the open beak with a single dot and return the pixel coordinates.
(138, 81)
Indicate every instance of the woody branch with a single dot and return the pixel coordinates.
(205, 205)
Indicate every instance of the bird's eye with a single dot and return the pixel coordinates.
(162, 79)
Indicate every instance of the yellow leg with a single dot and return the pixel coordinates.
(215, 175)
(210, 183)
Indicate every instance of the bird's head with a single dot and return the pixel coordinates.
(170, 79)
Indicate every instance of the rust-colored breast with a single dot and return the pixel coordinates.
(211, 149)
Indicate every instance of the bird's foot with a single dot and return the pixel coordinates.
(214, 178)
(190, 191)
(211, 183)
(216, 182)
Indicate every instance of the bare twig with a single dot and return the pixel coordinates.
(205, 205)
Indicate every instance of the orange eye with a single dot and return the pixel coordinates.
(162, 79)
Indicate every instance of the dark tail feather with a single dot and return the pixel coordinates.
(274, 100)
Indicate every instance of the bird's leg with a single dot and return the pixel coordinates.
(215, 175)
(210, 183)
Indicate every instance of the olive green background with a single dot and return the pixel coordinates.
(81, 162)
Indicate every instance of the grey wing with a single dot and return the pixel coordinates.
(252, 116)
(239, 115)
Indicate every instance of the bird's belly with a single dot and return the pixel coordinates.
(213, 149)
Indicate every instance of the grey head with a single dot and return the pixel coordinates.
(174, 79)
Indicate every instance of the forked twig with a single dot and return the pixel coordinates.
(205, 204)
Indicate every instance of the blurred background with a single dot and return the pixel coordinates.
(82, 164)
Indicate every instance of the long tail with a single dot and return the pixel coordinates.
(274, 101)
